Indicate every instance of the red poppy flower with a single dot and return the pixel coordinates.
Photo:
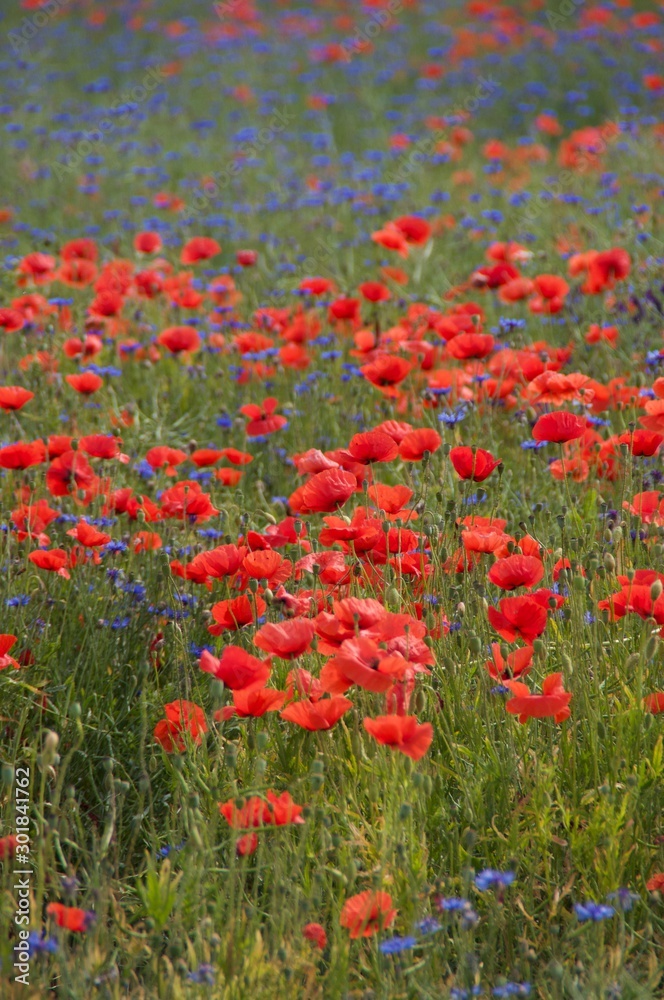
(324, 492)
(262, 419)
(392, 500)
(391, 238)
(470, 345)
(236, 668)
(8, 846)
(23, 455)
(641, 442)
(186, 501)
(6, 643)
(246, 258)
(146, 541)
(180, 339)
(87, 383)
(415, 230)
(199, 248)
(316, 286)
(182, 718)
(345, 309)
(373, 446)
(13, 397)
(147, 242)
(162, 455)
(516, 664)
(473, 463)
(516, 571)
(11, 320)
(204, 457)
(554, 700)
(322, 714)
(52, 560)
(252, 702)
(249, 814)
(265, 564)
(415, 443)
(88, 536)
(653, 703)
(656, 883)
(375, 291)
(288, 640)
(69, 472)
(104, 446)
(358, 661)
(235, 614)
(559, 426)
(367, 913)
(386, 371)
(71, 918)
(519, 617)
(402, 732)
(316, 934)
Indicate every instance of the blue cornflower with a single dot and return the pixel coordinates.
(428, 926)
(18, 602)
(204, 974)
(593, 911)
(40, 944)
(623, 899)
(456, 993)
(512, 990)
(490, 877)
(453, 903)
(396, 945)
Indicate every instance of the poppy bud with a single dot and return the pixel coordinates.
(393, 597)
(609, 563)
(262, 740)
(579, 583)
(50, 747)
(75, 710)
(268, 596)
(539, 648)
(656, 589)
(475, 644)
(420, 700)
(405, 812)
(444, 554)
(316, 781)
(567, 663)
(7, 774)
(461, 609)
(651, 647)
(231, 756)
(253, 585)
(617, 534)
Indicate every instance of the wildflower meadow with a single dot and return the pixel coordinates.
(332, 499)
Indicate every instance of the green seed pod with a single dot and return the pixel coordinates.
(539, 648)
(579, 583)
(609, 563)
(475, 644)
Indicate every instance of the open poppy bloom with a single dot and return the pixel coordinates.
(199, 248)
(559, 426)
(516, 571)
(473, 463)
(87, 383)
(71, 918)
(516, 664)
(416, 443)
(14, 397)
(6, 643)
(252, 702)
(401, 732)
(518, 617)
(236, 668)
(235, 613)
(367, 913)
(287, 640)
(262, 420)
(183, 719)
(180, 339)
(316, 715)
(326, 491)
(552, 702)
